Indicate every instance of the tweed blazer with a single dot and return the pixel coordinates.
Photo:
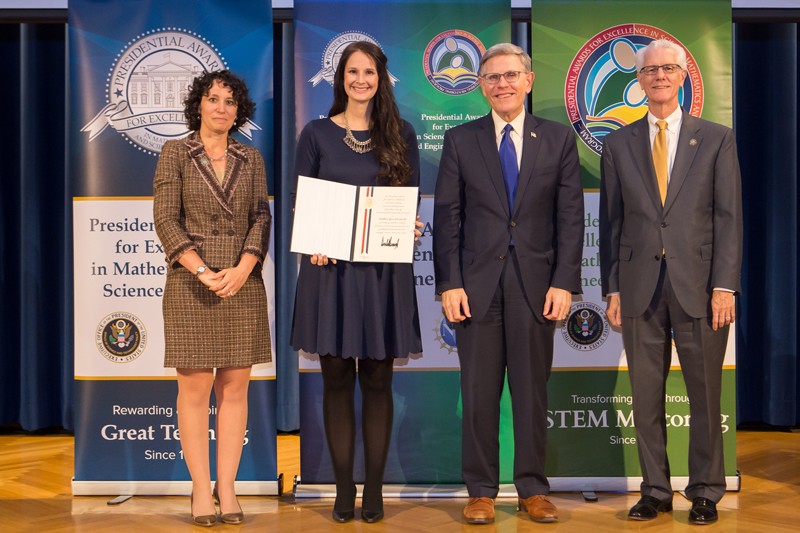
(193, 211)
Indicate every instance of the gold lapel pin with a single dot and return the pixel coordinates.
(533, 134)
(692, 142)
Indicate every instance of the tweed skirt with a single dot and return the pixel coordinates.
(202, 330)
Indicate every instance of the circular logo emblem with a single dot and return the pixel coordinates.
(451, 61)
(446, 336)
(586, 327)
(148, 83)
(602, 94)
(333, 53)
(121, 337)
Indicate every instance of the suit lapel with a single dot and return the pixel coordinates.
(530, 152)
(487, 142)
(689, 141)
(233, 169)
(642, 156)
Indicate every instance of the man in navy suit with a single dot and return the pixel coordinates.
(670, 256)
(508, 242)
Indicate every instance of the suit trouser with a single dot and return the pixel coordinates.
(701, 351)
(508, 337)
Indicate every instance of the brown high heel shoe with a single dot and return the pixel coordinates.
(229, 518)
(203, 520)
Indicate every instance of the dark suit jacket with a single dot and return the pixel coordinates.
(699, 227)
(472, 221)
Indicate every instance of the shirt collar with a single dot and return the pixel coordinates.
(673, 120)
(518, 123)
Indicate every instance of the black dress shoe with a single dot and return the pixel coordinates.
(704, 511)
(648, 507)
(370, 517)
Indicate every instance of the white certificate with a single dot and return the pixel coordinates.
(352, 223)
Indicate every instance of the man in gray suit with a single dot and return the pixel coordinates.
(671, 251)
(507, 245)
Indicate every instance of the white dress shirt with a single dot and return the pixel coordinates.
(516, 135)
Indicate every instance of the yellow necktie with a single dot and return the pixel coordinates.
(660, 159)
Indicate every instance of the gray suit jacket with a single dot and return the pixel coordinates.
(699, 227)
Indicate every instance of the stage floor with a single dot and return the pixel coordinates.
(35, 496)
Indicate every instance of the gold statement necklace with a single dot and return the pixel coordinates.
(359, 147)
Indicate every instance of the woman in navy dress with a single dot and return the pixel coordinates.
(358, 312)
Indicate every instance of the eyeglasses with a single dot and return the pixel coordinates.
(512, 76)
(653, 70)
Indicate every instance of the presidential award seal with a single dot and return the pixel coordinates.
(601, 92)
(147, 84)
(445, 334)
(586, 327)
(451, 61)
(121, 337)
(333, 53)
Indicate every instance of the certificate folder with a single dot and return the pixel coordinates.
(354, 223)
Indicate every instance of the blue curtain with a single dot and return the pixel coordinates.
(36, 347)
(766, 123)
(288, 416)
(36, 235)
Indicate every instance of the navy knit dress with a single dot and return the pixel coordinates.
(353, 310)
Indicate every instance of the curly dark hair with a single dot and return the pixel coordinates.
(386, 130)
(200, 87)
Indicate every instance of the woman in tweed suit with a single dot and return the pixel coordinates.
(212, 216)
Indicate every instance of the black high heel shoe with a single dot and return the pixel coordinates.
(203, 520)
(370, 517)
(229, 518)
(341, 516)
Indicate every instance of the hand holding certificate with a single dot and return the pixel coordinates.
(361, 224)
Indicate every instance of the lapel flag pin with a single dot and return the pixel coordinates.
(692, 142)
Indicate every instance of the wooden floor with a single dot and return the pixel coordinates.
(35, 496)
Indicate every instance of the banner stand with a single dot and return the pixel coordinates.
(585, 77)
(131, 66)
(166, 488)
(557, 484)
(434, 74)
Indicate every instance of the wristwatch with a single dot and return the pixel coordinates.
(200, 270)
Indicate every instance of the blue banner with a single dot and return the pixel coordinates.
(120, 50)
(131, 63)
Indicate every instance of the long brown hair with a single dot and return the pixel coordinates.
(386, 130)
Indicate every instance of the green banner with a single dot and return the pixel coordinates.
(433, 49)
(583, 56)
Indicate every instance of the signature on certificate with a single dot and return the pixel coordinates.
(389, 242)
